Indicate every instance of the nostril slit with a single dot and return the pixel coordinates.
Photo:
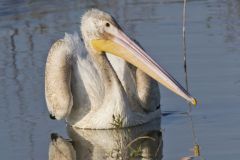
(52, 117)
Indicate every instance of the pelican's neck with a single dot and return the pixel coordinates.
(105, 69)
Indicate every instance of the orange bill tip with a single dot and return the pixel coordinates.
(194, 102)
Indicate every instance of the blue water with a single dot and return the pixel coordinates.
(29, 27)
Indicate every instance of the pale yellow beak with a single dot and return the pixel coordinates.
(122, 46)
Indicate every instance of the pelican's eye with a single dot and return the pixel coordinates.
(107, 24)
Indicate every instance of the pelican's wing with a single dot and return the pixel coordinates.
(148, 91)
(58, 76)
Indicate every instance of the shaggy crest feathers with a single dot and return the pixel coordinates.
(83, 64)
(74, 44)
(95, 13)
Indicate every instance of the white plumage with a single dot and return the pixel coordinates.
(90, 87)
(92, 103)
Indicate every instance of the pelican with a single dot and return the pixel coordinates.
(105, 81)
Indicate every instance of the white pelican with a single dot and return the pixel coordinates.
(107, 82)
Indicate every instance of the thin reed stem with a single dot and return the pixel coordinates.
(196, 146)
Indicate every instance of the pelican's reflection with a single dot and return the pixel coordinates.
(142, 142)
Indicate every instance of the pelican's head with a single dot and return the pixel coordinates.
(102, 34)
(96, 24)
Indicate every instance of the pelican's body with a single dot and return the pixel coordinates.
(93, 89)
